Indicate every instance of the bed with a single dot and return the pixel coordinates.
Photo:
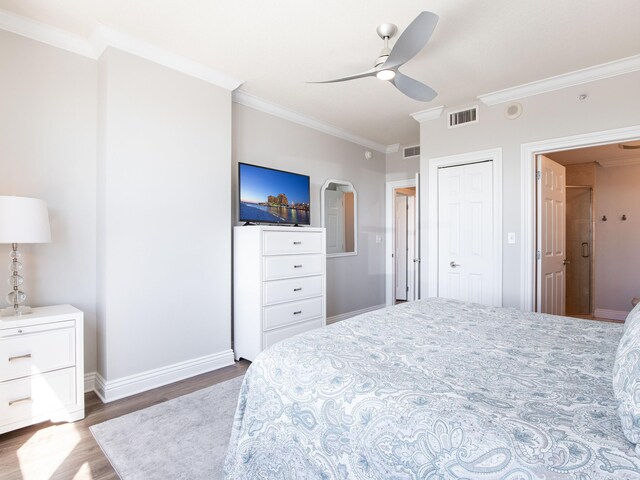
(435, 389)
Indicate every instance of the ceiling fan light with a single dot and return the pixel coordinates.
(386, 74)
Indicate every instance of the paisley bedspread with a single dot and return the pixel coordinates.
(435, 389)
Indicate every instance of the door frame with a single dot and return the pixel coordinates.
(528, 153)
(389, 235)
(494, 155)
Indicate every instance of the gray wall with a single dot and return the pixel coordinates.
(617, 243)
(353, 282)
(398, 168)
(48, 151)
(164, 243)
(612, 103)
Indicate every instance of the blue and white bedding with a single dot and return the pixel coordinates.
(435, 389)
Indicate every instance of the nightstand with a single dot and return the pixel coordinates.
(41, 367)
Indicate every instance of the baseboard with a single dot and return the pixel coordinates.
(344, 316)
(610, 314)
(89, 382)
(110, 390)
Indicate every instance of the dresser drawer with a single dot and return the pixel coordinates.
(35, 396)
(287, 313)
(274, 336)
(288, 266)
(295, 241)
(278, 291)
(26, 354)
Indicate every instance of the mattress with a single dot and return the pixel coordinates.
(435, 389)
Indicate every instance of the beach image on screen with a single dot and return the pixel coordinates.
(272, 196)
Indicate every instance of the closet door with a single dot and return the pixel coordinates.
(465, 233)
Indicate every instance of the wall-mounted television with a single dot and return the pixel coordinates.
(268, 195)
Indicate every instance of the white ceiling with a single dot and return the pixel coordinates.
(479, 46)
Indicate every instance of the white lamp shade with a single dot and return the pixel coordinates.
(24, 220)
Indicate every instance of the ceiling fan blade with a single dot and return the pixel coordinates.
(412, 40)
(413, 88)
(368, 73)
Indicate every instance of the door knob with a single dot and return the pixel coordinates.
(454, 264)
(566, 262)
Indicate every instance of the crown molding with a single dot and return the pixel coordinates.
(104, 37)
(45, 33)
(393, 148)
(577, 77)
(429, 114)
(619, 162)
(248, 100)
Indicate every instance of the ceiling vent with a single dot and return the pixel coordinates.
(463, 117)
(410, 152)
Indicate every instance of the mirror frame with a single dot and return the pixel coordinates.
(355, 215)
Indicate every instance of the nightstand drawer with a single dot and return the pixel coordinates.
(288, 266)
(36, 396)
(278, 291)
(295, 241)
(274, 336)
(34, 353)
(292, 312)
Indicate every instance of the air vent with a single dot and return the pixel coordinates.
(463, 117)
(410, 152)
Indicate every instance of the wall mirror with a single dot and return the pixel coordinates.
(339, 204)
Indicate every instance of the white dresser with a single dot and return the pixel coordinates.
(41, 367)
(279, 285)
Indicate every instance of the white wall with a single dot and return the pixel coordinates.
(48, 151)
(164, 243)
(617, 242)
(612, 103)
(353, 282)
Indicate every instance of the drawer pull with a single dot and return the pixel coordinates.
(297, 289)
(297, 266)
(20, 357)
(297, 243)
(20, 400)
(298, 312)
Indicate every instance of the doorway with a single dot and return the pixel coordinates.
(402, 241)
(405, 246)
(586, 252)
(528, 157)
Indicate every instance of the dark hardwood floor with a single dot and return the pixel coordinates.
(68, 450)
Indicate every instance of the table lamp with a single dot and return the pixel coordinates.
(22, 220)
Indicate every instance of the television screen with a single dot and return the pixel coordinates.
(273, 196)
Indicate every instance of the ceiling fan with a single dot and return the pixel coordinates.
(410, 42)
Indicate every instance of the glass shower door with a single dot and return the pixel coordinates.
(579, 250)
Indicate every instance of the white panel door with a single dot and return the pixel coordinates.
(416, 250)
(411, 248)
(551, 208)
(465, 233)
(401, 247)
(334, 203)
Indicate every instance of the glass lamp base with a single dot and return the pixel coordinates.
(15, 312)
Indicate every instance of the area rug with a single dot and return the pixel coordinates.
(183, 438)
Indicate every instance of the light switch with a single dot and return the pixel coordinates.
(511, 238)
